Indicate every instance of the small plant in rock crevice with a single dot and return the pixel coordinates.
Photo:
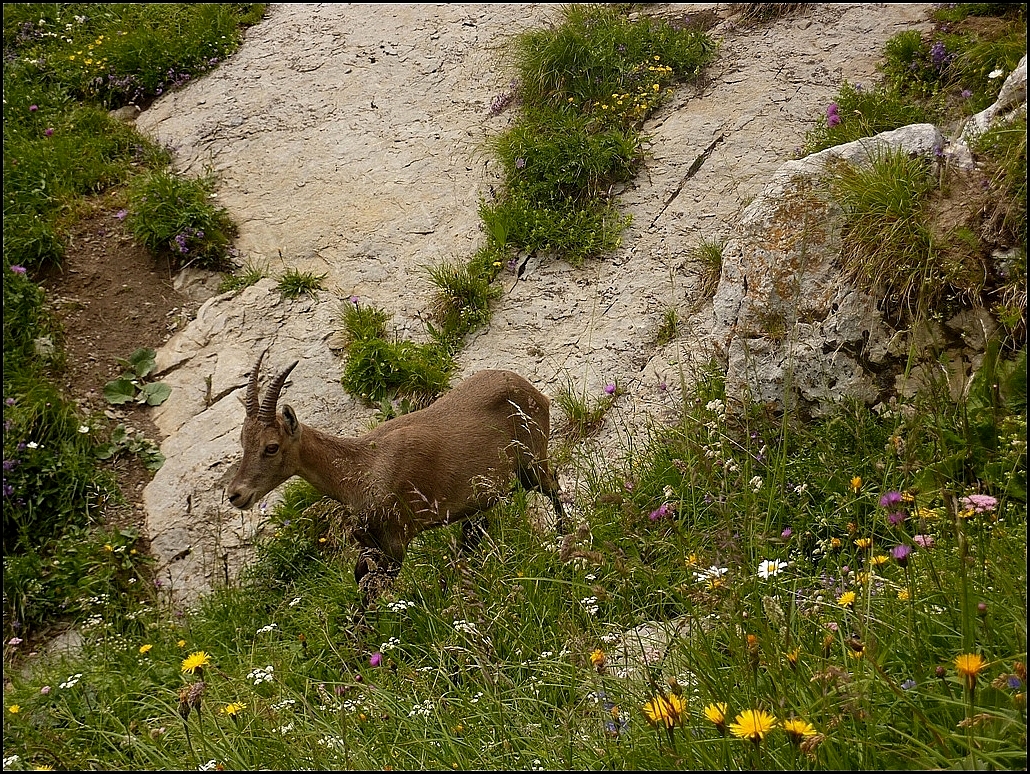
(295, 283)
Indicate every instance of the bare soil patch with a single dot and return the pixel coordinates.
(110, 297)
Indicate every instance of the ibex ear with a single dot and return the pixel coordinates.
(292, 423)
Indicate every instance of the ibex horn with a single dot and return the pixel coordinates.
(252, 387)
(266, 414)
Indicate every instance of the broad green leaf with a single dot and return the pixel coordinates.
(120, 391)
(142, 361)
(154, 394)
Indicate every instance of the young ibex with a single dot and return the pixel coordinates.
(445, 463)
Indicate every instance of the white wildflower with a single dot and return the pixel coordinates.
(770, 567)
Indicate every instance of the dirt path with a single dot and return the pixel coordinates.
(349, 140)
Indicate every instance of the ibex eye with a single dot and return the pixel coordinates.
(272, 448)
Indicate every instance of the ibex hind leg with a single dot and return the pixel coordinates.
(375, 571)
(472, 533)
(538, 477)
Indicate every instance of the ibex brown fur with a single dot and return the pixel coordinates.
(448, 462)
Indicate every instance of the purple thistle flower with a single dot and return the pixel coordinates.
(890, 499)
(17, 270)
(48, 131)
(660, 512)
(787, 532)
(33, 108)
(832, 120)
(375, 659)
(609, 389)
(896, 517)
(901, 554)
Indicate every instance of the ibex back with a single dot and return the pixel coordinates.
(445, 463)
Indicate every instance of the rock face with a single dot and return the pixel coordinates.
(349, 140)
(794, 333)
(791, 330)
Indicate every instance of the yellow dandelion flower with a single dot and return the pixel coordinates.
(864, 543)
(716, 712)
(196, 661)
(927, 513)
(668, 710)
(847, 599)
(14, 709)
(878, 560)
(856, 483)
(862, 578)
(793, 656)
(108, 547)
(968, 666)
(181, 643)
(798, 729)
(903, 595)
(144, 649)
(598, 658)
(753, 725)
(232, 709)
(835, 543)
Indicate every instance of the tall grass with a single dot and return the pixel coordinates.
(812, 573)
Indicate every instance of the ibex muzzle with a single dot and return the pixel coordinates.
(449, 462)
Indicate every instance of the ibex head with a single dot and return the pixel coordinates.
(270, 442)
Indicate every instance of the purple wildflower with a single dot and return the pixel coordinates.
(832, 116)
(520, 163)
(17, 270)
(890, 499)
(609, 389)
(966, 94)
(787, 532)
(660, 512)
(1014, 682)
(901, 554)
(896, 517)
(121, 214)
(49, 131)
(908, 685)
(33, 108)
(375, 659)
(939, 55)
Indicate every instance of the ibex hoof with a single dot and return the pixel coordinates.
(372, 561)
(373, 584)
